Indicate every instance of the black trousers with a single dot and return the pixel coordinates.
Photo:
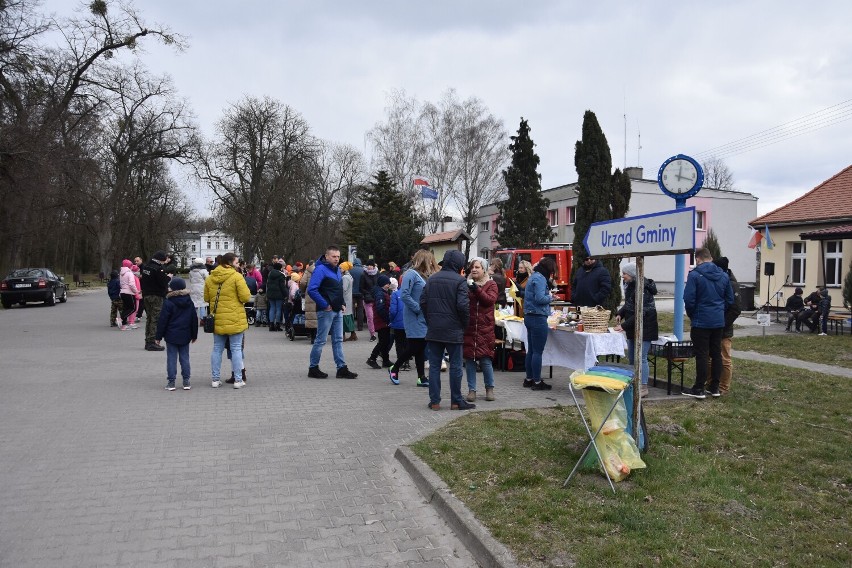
(414, 347)
(383, 345)
(399, 341)
(358, 311)
(707, 343)
(128, 304)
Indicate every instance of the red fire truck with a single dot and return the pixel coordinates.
(560, 252)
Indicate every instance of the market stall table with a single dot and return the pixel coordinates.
(570, 349)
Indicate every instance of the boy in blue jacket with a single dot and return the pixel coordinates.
(178, 325)
(114, 291)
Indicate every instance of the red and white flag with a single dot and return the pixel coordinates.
(756, 237)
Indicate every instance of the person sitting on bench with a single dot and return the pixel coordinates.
(810, 315)
(795, 304)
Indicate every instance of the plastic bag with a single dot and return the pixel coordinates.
(618, 452)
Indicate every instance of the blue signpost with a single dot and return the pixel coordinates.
(680, 177)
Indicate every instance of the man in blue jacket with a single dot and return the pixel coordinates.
(707, 295)
(446, 306)
(326, 289)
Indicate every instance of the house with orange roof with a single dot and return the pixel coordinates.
(812, 238)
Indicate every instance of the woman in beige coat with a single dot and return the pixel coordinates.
(309, 305)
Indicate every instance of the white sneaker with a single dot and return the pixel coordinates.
(118, 322)
(239, 384)
(216, 383)
(133, 326)
(123, 328)
(187, 387)
(823, 334)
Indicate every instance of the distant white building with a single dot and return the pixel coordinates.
(199, 244)
(727, 212)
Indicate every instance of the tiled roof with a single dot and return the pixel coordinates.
(840, 231)
(445, 237)
(832, 199)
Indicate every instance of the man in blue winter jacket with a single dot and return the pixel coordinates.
(326, 289)
(707, 295)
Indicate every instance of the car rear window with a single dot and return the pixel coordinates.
(27, 272)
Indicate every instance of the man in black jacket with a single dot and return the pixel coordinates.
(155, 285)
(592, 284)
(446, 306)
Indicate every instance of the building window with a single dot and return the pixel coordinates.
(226, 245)
(798, 252)
(484, 252)
(833, 263)
(208, 244)
(193, 247)
(484, 226)
(217, 244)
(700, 221)
(553, 217)
(571, 214)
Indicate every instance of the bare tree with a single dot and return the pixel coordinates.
(717, 175)
(258, 158)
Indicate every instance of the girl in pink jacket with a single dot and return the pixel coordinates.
(129, 289)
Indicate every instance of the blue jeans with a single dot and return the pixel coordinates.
(173, 353)
(201, 311)
(435, 353)
(536, 340)
(646, 346)
(275, 311)
(236, 354)
(487, 372)
(329, 320)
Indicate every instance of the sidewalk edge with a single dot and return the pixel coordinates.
(486, 550)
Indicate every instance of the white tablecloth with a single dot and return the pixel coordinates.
(571, 349)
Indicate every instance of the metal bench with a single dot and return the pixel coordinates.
(837, 322)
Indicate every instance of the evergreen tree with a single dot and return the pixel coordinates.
(711, 243)
(603, 195)
(523, 216)
(847, 289)
(385, 227)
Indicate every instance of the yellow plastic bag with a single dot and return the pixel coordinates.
(618, 452)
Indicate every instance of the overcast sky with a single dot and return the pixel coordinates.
(689, 76)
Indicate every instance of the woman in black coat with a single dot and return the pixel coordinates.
(625, 318)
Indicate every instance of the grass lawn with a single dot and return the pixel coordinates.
(759, 478)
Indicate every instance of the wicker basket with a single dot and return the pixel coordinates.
(595, 320)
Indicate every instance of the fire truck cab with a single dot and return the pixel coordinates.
(561, 253)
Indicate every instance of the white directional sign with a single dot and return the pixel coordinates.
(665, 232)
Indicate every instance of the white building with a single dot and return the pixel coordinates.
(202, 244)
(727, 212)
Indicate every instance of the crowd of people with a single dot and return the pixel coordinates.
(440, 314)
(812, 312)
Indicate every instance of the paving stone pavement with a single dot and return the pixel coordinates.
(102, 467)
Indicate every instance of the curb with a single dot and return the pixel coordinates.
(484, 548)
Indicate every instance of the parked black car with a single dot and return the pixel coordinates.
(32, 285)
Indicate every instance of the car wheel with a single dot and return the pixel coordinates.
(51, 301)
(64, 297)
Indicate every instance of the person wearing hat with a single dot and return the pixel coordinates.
(128, 290)
(348, 313)
(625, 319)
(178, 325)
(592, 284)
(197, 275)
(795, 304)
(368, 285)
(381, 322)
(155, 286)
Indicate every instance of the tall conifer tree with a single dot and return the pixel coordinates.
(386, 227)
(603, 195)
(523, 216)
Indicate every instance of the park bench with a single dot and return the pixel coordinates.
(838, 323)
(79, 282)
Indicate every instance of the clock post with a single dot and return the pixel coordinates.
(680, 177)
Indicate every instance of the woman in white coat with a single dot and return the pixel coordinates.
(197, 276)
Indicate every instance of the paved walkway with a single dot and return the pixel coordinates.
(102, 467)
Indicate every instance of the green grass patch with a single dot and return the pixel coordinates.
(828, 349)
(759, 478)
(665, 321)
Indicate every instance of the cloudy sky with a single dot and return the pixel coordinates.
(690, 77)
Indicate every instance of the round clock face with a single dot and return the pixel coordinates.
(679, 176)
